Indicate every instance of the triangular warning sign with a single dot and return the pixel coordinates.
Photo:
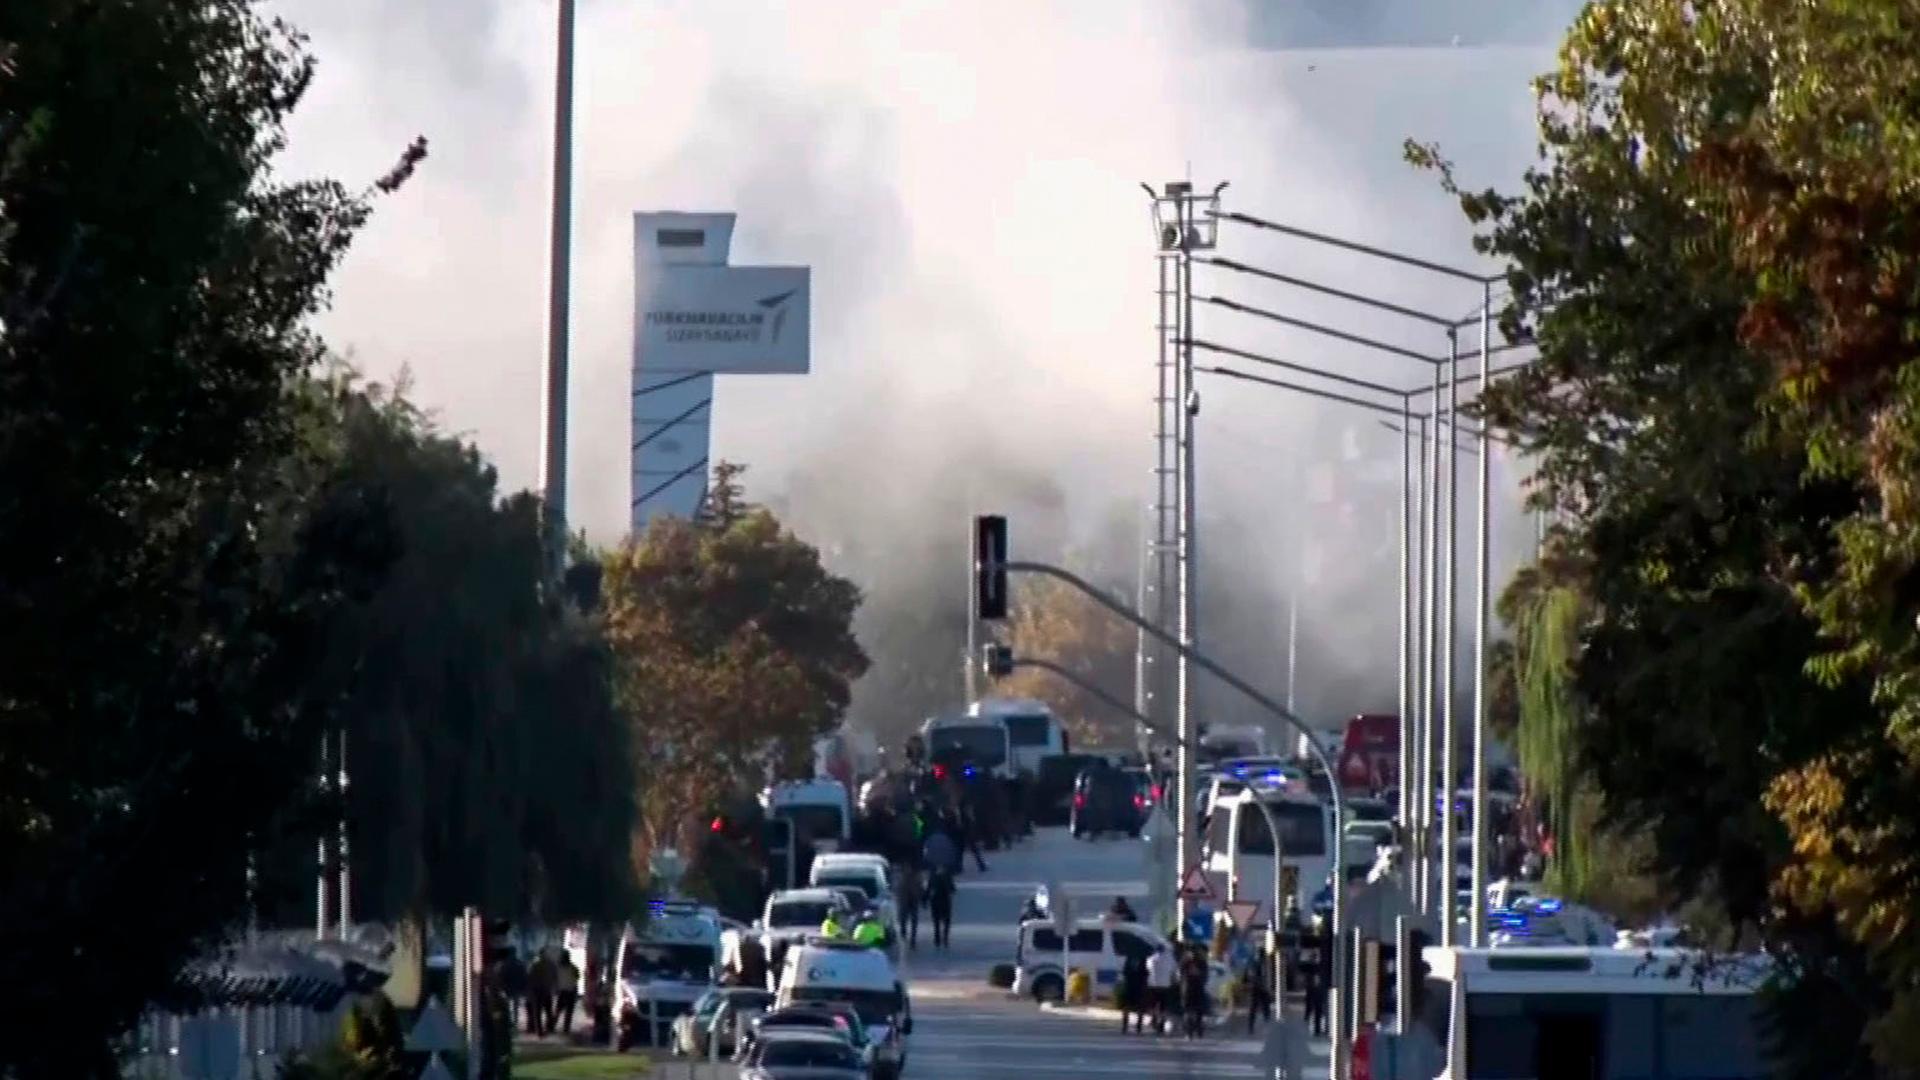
(436, 1070)
(435, 1031)
(1193, 885)
(1242, 912)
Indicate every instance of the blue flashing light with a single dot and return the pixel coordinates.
(1547, 907)
(969, 770)
(1275, 776)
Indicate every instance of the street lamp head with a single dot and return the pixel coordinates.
(1193, 403)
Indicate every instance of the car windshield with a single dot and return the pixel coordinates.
(856, 883)
(806, 1054)
(651, 960)
(812, 822)
(787, 913)
(1302, 829)
(982, 744)
(1027, 729)
(874, 1006)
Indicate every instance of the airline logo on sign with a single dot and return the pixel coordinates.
(722, 319)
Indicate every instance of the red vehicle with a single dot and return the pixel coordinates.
(1370, 753)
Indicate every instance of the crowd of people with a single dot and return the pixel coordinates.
(546, 988)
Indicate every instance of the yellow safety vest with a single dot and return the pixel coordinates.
(869, 932)
(831, 927)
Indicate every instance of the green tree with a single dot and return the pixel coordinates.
(1703, 535)
(489, 764)
(1052, 621)
(165, 589)
(734, 649)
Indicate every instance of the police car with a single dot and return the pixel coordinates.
(826, 970)
(666, 966)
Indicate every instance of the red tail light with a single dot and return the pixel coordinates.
(939, 772)
(1079, 801)
(1156, 792)
(1139, 802)
(717, 824)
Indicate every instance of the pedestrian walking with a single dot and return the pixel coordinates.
(1160, 978)
(566, 992)
(1134, 995)
(1255, 988)
(540, 984)
(970, 829)
(511, 977)
(1193, 993)
(940, 904)
(909, 896)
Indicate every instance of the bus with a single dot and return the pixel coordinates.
(978, 741)
(1645, 1014)
(1239, 847)
(1033, 733)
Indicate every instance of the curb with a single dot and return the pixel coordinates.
(1111, 1015)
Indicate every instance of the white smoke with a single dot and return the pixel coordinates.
(964, 180)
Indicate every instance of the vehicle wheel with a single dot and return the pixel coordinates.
(1049, 988)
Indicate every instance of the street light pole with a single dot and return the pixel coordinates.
(1477, 904)
(553, 464)
(1430, 698)
(1405, 651)
(1449, 768)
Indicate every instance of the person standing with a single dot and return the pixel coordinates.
(566, 992)
(1313, 971)
(1255, 988)
(1160, 973)
(1193, 993)
(1133, 995)
(910, 895)
(940, 904)
(540, 984)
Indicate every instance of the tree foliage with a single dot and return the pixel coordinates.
(1716, 256)
(734, 650)
(489, 765)
(166, 577)
(1053, 621)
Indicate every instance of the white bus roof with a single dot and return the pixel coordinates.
(1002, 706)
(851, 858)
(1579, 970)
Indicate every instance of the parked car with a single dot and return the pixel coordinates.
(694, 1033)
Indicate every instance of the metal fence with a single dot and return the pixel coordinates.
(234, 1043)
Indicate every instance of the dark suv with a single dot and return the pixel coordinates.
(1106, 799)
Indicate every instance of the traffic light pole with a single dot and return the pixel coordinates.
(992, 574)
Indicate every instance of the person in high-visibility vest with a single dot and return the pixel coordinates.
(833, 926)
(869, 930)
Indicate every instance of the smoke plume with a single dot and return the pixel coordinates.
(964, 180)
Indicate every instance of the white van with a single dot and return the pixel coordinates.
(1098, 946)
(1667, 1014)
(1239, 848)
(820, 809)
(823, 970)
(666, 966)
(1032, 730)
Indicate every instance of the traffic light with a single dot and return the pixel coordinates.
(999, 660)
(990, 566)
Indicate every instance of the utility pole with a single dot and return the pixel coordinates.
(1185, 223)
(553, 457)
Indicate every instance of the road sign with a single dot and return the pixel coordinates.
(1193, 884)
(435, 1031)
(1242, 912)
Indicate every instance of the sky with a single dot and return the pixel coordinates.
(964, 180)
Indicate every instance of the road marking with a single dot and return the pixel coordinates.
(1109, 888)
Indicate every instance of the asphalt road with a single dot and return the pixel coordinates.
(966, 1030)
